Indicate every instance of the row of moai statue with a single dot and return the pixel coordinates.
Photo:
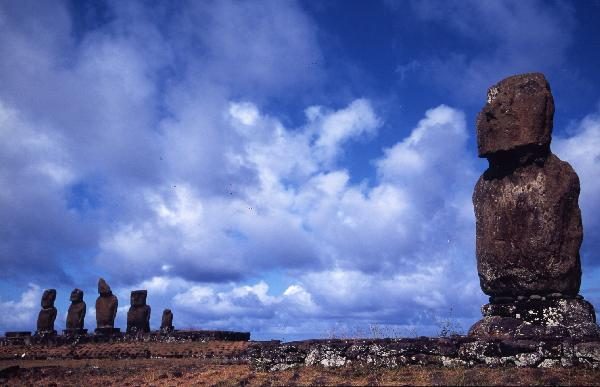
(138, 316)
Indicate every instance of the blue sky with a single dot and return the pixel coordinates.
(295, 169)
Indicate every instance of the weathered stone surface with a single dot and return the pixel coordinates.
(457, 351)
(393, 353)
(528, 221)
(77, 310)
(17, 334)
(106, 306)
(495, 327)
(548, 318)
(166, 323)
(138, 316)
(519, 112)
(529, 230)
(529, 227)
(107, 331)
(47, 316)
(588, 350)
(108, 335)
(567, 313)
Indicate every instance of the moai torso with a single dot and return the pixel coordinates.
(77, 310)
(138, 316)
(166, 324)
(47, 316)
(106, 306)
(528, 221)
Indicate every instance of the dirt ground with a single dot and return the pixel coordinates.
(189, 371)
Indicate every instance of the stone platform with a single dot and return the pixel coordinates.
(25, 338)
(233, 347)
(538, 317)
(457, 351)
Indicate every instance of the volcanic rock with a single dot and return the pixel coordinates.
(138, 316)
(538, 319)
(76, 314)
(106, 307)
(47, 316)
(529, 227)
(519, 112)
(528, 221)
(166, 324)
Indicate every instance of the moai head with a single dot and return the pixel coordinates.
(76, 295)
(103, 288)
(138, 297)
(48, 298)
(518, 113)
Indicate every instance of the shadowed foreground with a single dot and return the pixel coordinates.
(179, 372)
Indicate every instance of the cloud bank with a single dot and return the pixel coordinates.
(150, 146)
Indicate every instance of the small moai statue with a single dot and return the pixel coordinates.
(106, 309)
(528, 221)
(76, 314)
(166, 324)
(138, 316)
(47, 316)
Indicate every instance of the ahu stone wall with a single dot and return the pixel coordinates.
(459, 351)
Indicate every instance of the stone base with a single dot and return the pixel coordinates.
(74, 332)
(107, 331)
(536, 318)
(136, 331)
(46, 333)
(10, 335)
(166, 330)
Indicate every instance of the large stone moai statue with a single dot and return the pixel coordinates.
(528, 221)
(106, 309)
(76, 314)
(138, 316)
(166, 323)
(47, 316)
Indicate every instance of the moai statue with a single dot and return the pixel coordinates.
(46, 317)
(528, 222)
(76, 314)
(166, 324)
(138, 316)
(106, 309)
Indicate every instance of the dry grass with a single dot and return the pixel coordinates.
(184, 372)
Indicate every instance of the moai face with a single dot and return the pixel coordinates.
(519, 112)
(48, 298)
(103, 288)
(76, 295)
(138, 297)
